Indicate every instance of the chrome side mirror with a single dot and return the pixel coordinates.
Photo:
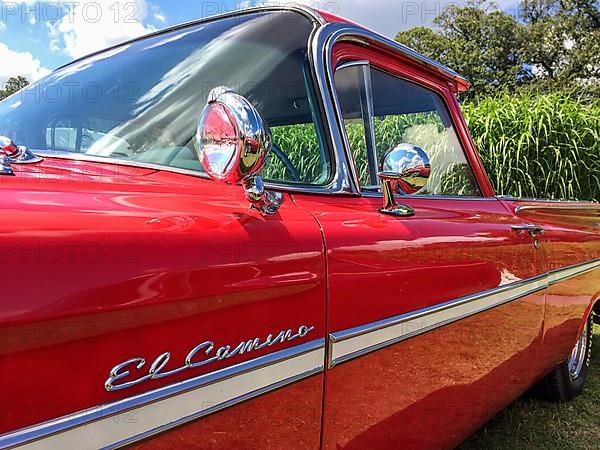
(233, 143)
(5, 168)
(17, 154)
(406, 170)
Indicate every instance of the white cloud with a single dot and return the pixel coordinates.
(94, 25)
(19, 63)
(157, 13)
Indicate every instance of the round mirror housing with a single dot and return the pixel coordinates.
(9, 148)
(233, 140)
(17, 154)
(233, 143)
(412, 166)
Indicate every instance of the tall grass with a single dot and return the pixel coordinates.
(300, 144)
(543, 146)
(532, 145)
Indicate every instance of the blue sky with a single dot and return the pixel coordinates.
(38, 36)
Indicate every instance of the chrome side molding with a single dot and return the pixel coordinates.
(138, 417)
(352, 343)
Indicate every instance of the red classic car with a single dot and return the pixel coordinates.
(271, 229)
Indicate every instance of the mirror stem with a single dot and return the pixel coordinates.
(5, 168)
(390, 206)
(261, 200)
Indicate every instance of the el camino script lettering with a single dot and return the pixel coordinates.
(199, 356)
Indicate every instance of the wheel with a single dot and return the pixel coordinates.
(566, 381)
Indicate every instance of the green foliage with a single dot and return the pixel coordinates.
(14, 84)
(478, 41)
(533, 145)
(544, 146)
(553, 44)
(301, 145)
(561, 38)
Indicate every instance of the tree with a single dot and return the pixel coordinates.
(14, 84)
(428, 42)
(552, 44)
(562, 40)
(479, 41)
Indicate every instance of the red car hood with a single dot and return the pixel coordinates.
(59, 169)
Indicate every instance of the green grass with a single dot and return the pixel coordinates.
(533, 424)
(532, 145)
(541, 146)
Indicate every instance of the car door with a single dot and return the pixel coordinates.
(433, 319)
(140, 298)
(182, 306)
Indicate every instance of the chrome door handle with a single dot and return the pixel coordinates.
(533, 230)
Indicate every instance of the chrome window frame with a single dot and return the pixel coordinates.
(368, 123)
(344, 32)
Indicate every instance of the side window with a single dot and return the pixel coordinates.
(352, 84)
(61, 134)
(91, 136)
(297, 156)
(401, 112)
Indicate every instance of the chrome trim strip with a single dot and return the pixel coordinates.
(564, 273)
(559, 206)
(352, 343)
(373, 194)
(558, 202)
(354, 63)
(358, 341)
(280, 187)
(81, 157)
(320, 57)
(106, 426)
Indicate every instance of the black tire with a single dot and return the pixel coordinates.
(566, 381)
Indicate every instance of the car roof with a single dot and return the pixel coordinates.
(403, 50)
(320, 17)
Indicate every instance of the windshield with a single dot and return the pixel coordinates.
(141, 101)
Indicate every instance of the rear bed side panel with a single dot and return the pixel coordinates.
(570, 246)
